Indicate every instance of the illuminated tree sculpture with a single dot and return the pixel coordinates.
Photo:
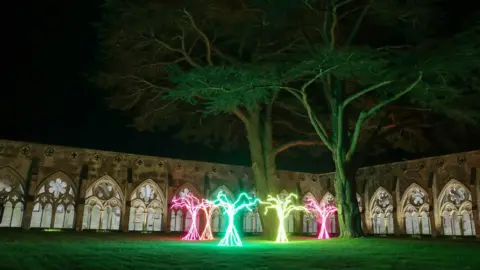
(322, 212)
(284, 207)
(244, 201)
(192, 204)
(208, 209)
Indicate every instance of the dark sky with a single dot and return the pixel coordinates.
(55, 105)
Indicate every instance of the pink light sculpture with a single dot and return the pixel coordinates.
(322, 212)
(192, 204)
(208, 209)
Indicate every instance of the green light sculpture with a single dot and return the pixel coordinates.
(283, 207)
(231, 237)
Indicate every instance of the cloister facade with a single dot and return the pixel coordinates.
(46, 186)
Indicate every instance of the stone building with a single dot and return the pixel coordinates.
(47, 186)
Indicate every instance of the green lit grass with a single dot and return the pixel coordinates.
(96, 251)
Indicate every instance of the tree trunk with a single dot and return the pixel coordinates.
(264, 168)
(349, 218)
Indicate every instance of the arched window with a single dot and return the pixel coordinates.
(219, 220)
(103, 205)
(381, 210)
(329, 199)
(54, 203)
(309, 222)
(182, 218)
(455, 205)
(251, 220)
(146, 210)
(415, 207)
(11, 198)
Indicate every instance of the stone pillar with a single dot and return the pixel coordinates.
(476, 223)
(29, 197)
(435, 215)
(298, 223)
(367, 217)
(167, 223)
(364, 224)
(27, 212)
(431, 216)
(398, 221)
(79, 211)
(125, 217)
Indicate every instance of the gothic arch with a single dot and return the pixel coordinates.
(454, 209)
(188, 185)
(104, 198)
(415, 210)
(328, 198)
(458, 202)
(223, 188)
(12, 193)
(219, 219)
(381, 192)
(418, 197)
(381, 211)
(54, 202)
(146, 211)
(108, 180)
(309, 195)
(160, 196)
(7, 170)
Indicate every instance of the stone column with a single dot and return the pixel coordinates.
(29, 197)
(476, 223)
(167, 223)
(27, 212)
(398, 222)
(125, 217)
(79, 209)
(364, 224)
(431, 216)
(298, 223)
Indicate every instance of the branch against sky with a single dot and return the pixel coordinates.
(144, 43)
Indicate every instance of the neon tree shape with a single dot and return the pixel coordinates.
(193, 205)
(322, 212)
(231, 237)
(283, 207)
(208, 209)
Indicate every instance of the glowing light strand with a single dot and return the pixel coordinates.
(283, 207)
(192, 204)
(231, 237)
(322, 212)
(208, 209)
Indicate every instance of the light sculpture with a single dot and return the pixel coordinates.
(283, 207)
(243, 201)
(208, 209)
(322, 212)
(192, 204)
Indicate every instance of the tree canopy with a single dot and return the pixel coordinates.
(232, 50)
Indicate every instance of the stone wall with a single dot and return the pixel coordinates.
(54, 186)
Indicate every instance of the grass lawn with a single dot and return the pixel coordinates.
(96, 251)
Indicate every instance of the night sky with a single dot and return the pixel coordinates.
(54, 104)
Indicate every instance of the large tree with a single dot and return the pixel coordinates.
(412, 69)
(346, 75)
(235, 62)
(157, 55)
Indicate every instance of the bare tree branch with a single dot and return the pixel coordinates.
(204, 37)
(289, 145)
(365, 115)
